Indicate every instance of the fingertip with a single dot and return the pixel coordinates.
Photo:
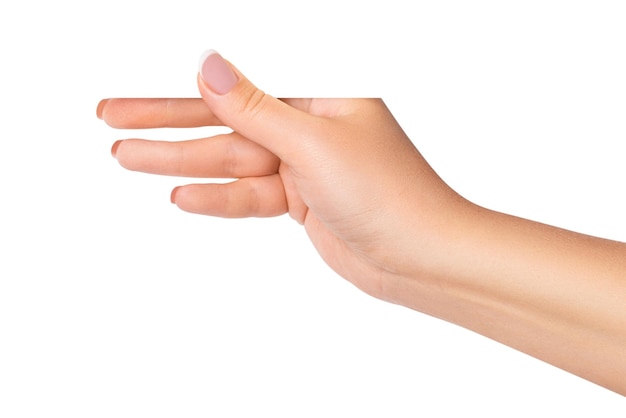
(203, 58)
(114, 148)
(173, 194)
(216, 73)
(100, 108)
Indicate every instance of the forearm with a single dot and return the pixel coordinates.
(554, 294)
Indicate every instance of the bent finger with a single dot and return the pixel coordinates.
(247, 197)
(288, 132)
(222, 156)
(143, 113)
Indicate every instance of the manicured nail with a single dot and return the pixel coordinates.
(114, 148)
(173, 194)
(216, 72)
(100, 108)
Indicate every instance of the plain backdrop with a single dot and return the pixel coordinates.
(115, 303)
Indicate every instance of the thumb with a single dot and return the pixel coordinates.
(271, 123)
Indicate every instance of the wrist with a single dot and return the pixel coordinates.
(439, 254)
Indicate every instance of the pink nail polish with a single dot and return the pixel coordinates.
(216, 72)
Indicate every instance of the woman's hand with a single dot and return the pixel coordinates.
(343, 168)
(381, 217)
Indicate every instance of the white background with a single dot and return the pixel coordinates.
(115, 303)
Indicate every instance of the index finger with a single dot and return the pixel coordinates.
(139, 113)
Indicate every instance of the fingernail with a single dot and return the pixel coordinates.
(216, 72)
(114, 148)
(100, 108)
(173, 194)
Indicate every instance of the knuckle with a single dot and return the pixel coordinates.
(254, 199)
(167, 113)
(230, 159)
(254, 102)
(244, 199)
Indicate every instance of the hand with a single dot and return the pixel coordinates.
(343, 168)
(381, 217)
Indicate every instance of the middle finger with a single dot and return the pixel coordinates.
(222, 156)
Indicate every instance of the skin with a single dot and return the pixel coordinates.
(382, 218)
